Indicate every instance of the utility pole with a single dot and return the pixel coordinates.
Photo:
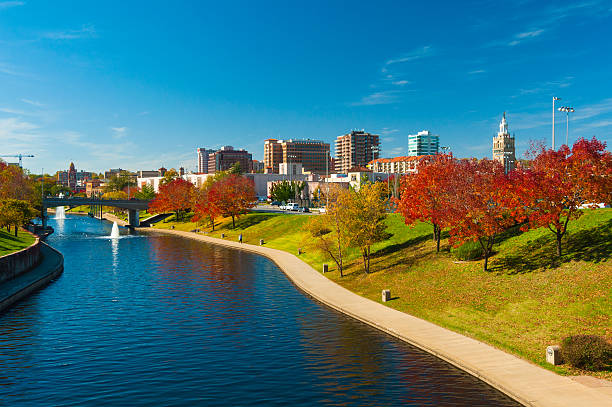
(567, 110)
(553, 120)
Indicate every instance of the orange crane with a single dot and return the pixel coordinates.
(20, 156)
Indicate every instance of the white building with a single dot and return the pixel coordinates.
(203, 154)
(397, 165)
(423, 143)
(503, 146)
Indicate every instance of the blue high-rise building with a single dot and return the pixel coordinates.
(423, 143)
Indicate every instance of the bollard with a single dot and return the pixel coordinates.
(553, 355)
(222, 235)
(386, 295)
(325, 268)
(299, 251)
(172, 227)
(261, 242)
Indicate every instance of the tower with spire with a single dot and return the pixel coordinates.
(503, 146)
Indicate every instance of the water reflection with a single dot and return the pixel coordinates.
(163, 320)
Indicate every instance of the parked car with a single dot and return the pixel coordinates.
(275, 203)
(292, 207)
(304, 209)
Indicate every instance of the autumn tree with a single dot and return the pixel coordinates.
(233, 195)
(559, 182)
(365, 214)
(483, 204)
(205, 205)
(15, 184)
(120, 182)
(169, 176)
(329, 230)
(427, 195)
(15, 212)
(174, 196)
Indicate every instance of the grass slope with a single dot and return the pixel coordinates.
(9, 243)
(527, 301)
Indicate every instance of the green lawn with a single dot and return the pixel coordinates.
(9, 243)
(527, 301)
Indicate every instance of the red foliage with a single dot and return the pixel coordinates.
(175, 196)
(233, 196)
(484, 204)
(205, 205)
(559, 182)
(428, 195)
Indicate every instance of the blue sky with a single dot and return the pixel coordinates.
(141, 84)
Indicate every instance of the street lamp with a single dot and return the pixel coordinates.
(553, 121)
(567, 110)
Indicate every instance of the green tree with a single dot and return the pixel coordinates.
(284, 191)
(147, 192)
(15, 212)
(365, 212)
(118, 182)
(169, 176)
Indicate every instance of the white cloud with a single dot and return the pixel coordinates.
(9, 4)
(379, 98)
(401, 83)
(32, 102)
(476, 71)
(414, 55)
(119, 132)
(86, 31)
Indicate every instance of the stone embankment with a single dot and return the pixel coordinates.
(25, 271)
(528, 384)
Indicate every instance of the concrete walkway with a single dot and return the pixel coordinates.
(50, 267)
(529, 384)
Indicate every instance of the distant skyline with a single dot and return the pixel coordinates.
(140, 85)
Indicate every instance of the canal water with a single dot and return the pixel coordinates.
(160, 320)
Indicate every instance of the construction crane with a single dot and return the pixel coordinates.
(20, 156)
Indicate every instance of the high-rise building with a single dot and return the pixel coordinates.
(356, 149)
(203, 154)
(225, 158)
(312, 154)
(503, 146)
(423, 143)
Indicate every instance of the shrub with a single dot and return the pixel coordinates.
(468, 251)
(589, 352)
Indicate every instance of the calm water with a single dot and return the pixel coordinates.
(158, 320)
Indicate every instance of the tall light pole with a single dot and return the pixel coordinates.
(553, 121)
(567, 110)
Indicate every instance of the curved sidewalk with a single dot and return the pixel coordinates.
(529, 384)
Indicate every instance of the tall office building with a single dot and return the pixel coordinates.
(203, 154)
(423, 143)
(356, 149)
(224, 159)
(503, 146)
(312, 154)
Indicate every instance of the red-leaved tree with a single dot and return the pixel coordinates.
(428, 195)
(483, 204)
(205, 204)
(559, 182)
(175, 196)
(233, 195)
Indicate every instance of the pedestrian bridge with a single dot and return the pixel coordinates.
(134, 206)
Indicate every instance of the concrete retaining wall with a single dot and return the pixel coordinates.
(16, 263)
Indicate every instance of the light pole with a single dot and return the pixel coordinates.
(567, 110)
(553, 121)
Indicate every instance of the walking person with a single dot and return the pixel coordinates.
(240, 238)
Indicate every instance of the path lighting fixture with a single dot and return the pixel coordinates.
(553, 121)
(567, 110)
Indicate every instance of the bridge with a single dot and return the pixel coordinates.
(134, 206)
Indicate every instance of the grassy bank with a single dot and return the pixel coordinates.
(9, 243)
(527, 301)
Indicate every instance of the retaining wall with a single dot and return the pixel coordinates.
(16, 263)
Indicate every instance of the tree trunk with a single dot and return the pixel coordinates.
(559, 236)
(16, 229)
(212, 222)
(438, 241)
(233, 223)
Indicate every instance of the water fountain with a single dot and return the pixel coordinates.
(115, 231)
(60, 212)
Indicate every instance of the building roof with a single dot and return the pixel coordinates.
(399, 159)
